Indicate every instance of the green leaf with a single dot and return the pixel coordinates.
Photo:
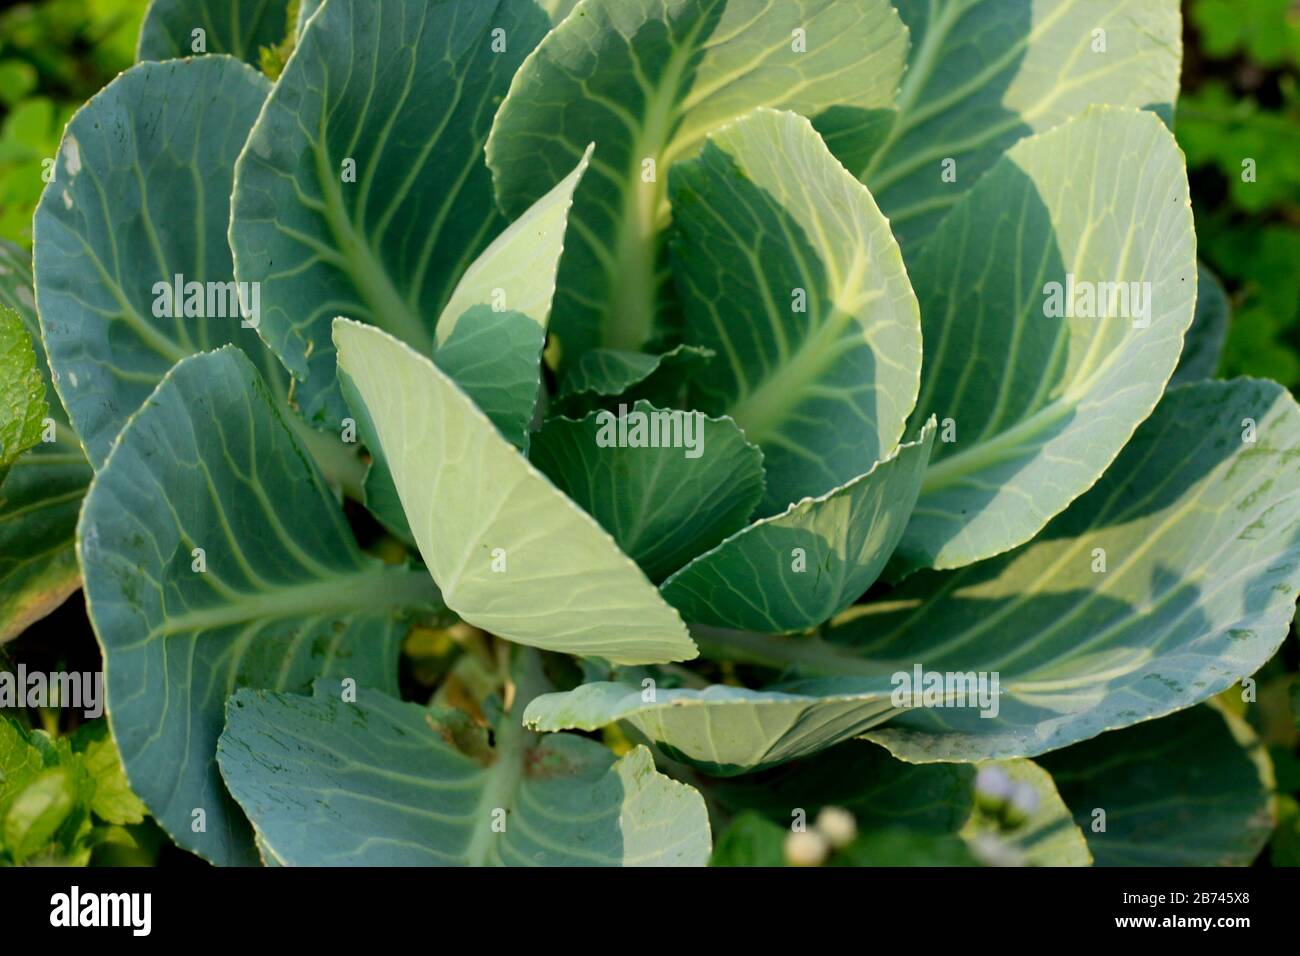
(601, 375)
(905, 848)
(490, 335)
(20, 761)
(663, 505)
(238, 27)
(22, 393)
(1192, 789)
(142, 195)
(113, 801)
(647, 81)
(722, 730)
(36, 814)
(215, 557)
(1040, 401)
(984, 73)
(1195, 528)
(388, 785)
(49, 788)
(510, 552)
(1203, 346)
(40, 499)
(749, 840)
(362, 189)
(796, 570)
(17, 293)
(41, 496)
(788, 271)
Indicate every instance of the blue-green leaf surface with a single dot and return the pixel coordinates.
(362, 190)
(215, 557)
(1035, 401)
(393, 784)
(788, 271)
(797, 569)
(141, 195)
(983, 74)
(647, 80)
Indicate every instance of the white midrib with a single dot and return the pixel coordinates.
(345, 594)
(388, 306)
(913, 81)
(501, 781)
(1005, 446)
(762, 412)
(630, 321)
(503, 777)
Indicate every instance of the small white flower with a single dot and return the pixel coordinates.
(808, 848)
(838, 826)
(993, 784)
(1024, 798)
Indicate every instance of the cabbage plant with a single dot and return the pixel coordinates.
(647, 432)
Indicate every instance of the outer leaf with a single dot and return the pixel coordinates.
(662, 506)
(282, 596)
(490, 335)
(1193, 789)
(41, 496)
(1203, 345)
(407, 92)
(985, 73)
(388, 787)
(22, 393)
(796, 570)
(722, 730)
(1041, 405)
(647, 80)
(141, 195)
(475, 504)
(1199, 532)
(238, 27)
(824, 377)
